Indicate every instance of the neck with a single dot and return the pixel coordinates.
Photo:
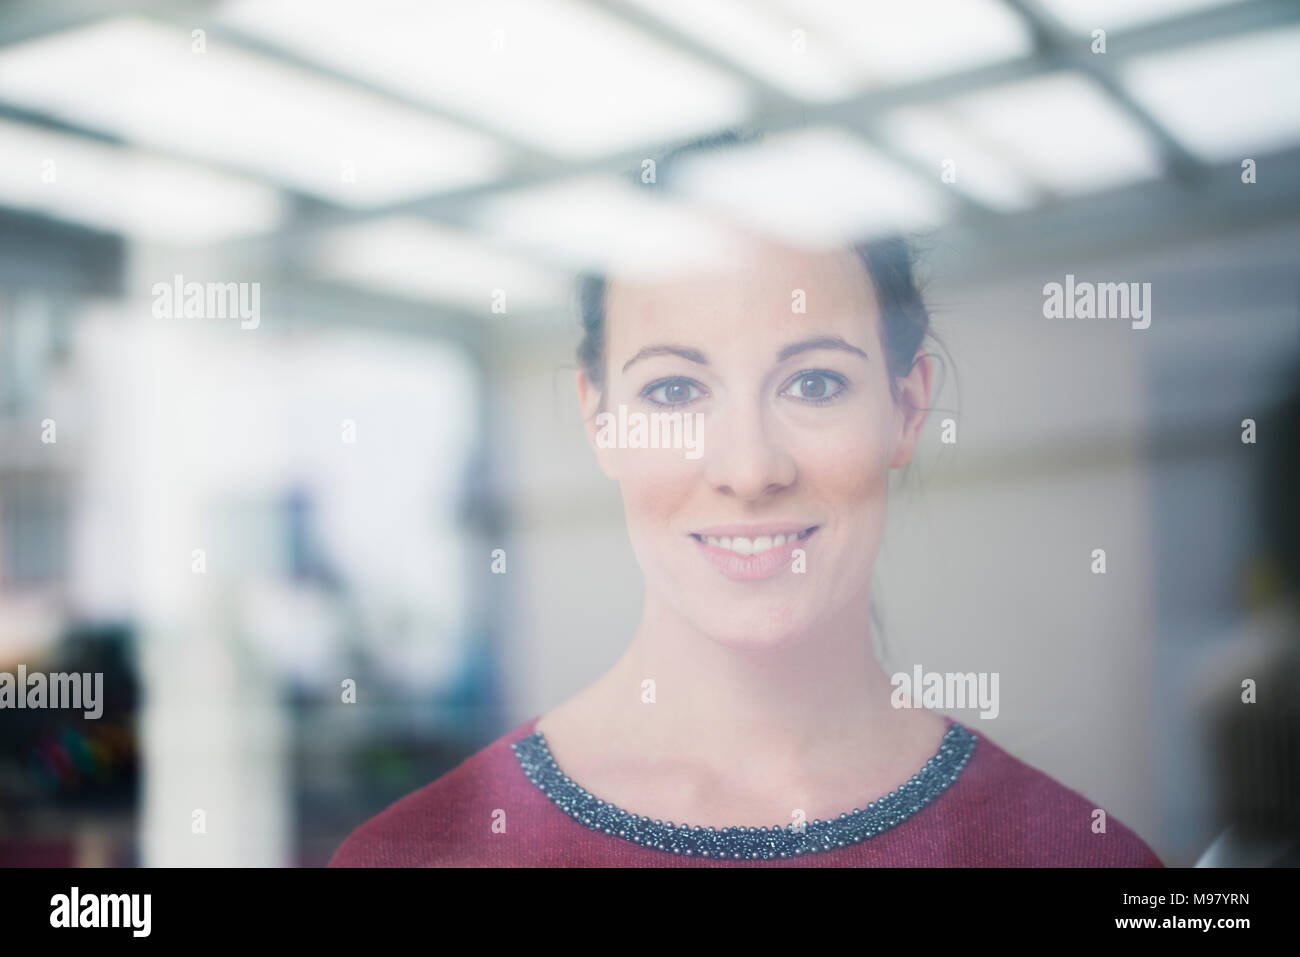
(814, 697)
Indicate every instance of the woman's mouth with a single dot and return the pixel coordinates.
(760, 554)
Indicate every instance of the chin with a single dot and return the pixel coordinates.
(753, 626)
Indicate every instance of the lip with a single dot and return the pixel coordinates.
(752, 567)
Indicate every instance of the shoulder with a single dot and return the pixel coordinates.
(444, 822)
(1024, 817)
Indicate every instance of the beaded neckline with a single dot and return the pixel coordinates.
(736, 843)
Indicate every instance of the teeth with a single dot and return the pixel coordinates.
(756, 546)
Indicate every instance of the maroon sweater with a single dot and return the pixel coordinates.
(998, 812)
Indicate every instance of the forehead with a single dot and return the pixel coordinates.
(771, 292)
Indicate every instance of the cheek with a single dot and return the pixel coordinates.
(851, 478)
(655, 484)
(848, 469)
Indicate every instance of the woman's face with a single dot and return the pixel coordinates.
(765, 524)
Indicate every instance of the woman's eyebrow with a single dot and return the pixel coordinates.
(818, 342)
(693, 355)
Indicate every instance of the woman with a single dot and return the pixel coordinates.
(748, 723)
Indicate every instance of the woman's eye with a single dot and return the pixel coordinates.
(815, 386)
(672, 392)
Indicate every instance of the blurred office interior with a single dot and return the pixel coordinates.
(232, 520)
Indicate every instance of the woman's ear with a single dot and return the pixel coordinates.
(589, 401)
(914, 405)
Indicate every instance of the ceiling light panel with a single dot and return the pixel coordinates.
(892, 43)
(121, 190)
(933, 140)
(421, 260)
(1063, 130)
(606, 224)
(144, 82)
(816, 187)
(765, 41)
(562, 76)
(1225, 100)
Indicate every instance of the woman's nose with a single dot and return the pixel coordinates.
(744, 456)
